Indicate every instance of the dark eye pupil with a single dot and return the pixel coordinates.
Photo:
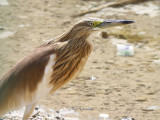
(91, 23)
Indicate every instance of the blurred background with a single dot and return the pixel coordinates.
(122, 75)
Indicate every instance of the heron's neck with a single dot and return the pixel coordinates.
(76, 41)
(75, 36)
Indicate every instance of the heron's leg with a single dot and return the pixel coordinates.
(28, 111)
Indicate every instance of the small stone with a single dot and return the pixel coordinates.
(1, 28)
(100, 92)
(93, 78)
(141, 99)
(127, 118)
(22, 25)
(4, 2)
(145, 109)
(104, 34)
(157, 62)
(90, 95)
(103, 116)
(86, 108)
(151, 92)
(70, 118)
(6, 34)
(151, 70)
(138, 80)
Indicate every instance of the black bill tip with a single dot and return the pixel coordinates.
(113, 23)
(127, 21)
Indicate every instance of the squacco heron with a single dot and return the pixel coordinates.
(49, 67)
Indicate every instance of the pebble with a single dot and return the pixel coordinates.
(150, 92)
(66, 111)
(127, 118)
(90, 95)
(104, 34)
(93, 78)
(43, 113)
(103, 116)
(71, 118)
(141, 99)
(152, 108)
(4, 2)
(2, 28)
(145, 109)
(6, 34)
(22, 25)
(86, 108)
(157, 62)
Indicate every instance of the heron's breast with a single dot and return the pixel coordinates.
(80, 67)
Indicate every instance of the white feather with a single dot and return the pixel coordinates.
(43, 87)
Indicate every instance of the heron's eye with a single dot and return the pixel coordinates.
(91, 23)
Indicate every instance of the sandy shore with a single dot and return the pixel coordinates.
(122, 86)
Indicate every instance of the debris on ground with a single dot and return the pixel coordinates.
(42, 112)
(125, 50)
(6, 34)
(103, 116)
(152, 108)
(127, 118)
(4, 2)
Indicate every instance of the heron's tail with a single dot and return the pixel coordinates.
(8, 100)
(3, 109)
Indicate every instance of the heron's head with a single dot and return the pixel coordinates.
(93, 24)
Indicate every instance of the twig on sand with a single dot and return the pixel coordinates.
(115, 4)
(34, 116)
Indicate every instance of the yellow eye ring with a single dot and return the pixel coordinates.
(91, 23)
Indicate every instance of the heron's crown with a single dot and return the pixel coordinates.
(94, 22)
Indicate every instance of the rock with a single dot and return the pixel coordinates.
(71, 118)
(41, 113)
(103, 116)
(151, 92)
(157, 62)
(66, 111)
(104, 34)
(86, 108)
(22, 25)
(139, 45)
(36, 108)
(93, 78)
(6, 34)
(127, 118)
(4, 2)
(90, 95)
(141, 99)
(152, 108)
(145, 109)
(150, 70)
(100, 92)
(2, 28)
